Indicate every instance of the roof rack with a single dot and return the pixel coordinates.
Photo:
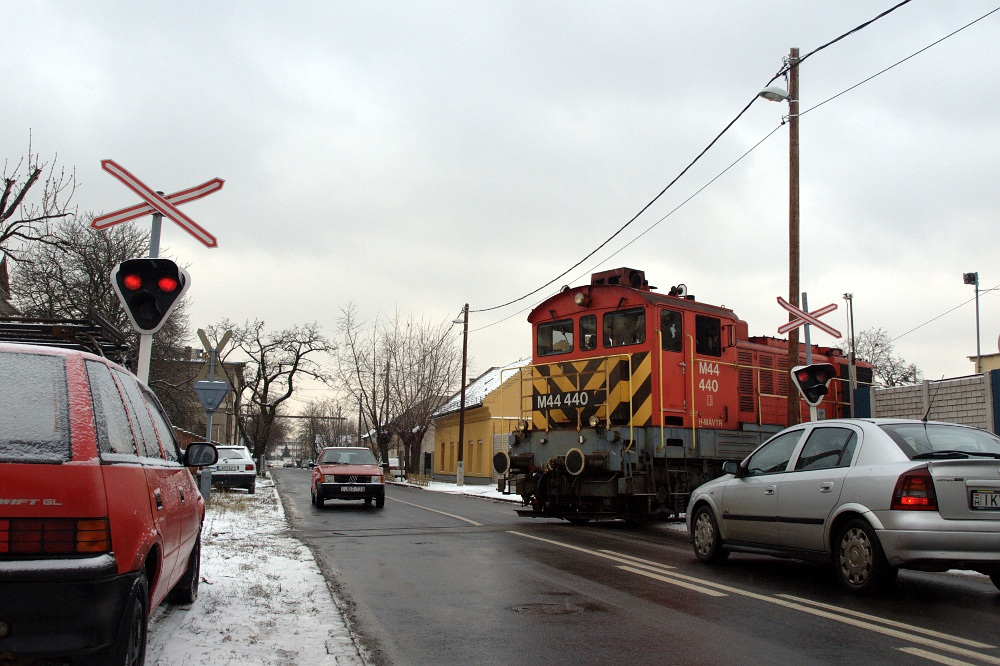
(93, 334)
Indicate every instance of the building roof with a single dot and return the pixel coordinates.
(479, 388)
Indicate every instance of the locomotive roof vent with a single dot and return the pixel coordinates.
(626, 277)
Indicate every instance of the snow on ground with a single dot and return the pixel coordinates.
(262, 598)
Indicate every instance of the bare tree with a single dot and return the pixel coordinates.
(274, 362)
(71, 278)
(34, 194)
(325, 425)
(424, 368)
(875, 346)
(398, 372)
(362, 369)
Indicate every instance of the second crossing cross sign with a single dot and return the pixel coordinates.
(807, 318)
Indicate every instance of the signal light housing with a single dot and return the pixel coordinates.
(149, 289)
(812, 381)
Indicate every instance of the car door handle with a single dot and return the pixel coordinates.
(159, 500)
(826, 487)
(769, 490)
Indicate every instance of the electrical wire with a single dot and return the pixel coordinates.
(960, 305)
(691, 164)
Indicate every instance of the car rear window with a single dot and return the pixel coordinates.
(34, 409)
(927, 439)
(234, 454)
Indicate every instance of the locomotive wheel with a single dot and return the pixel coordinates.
(705, 537)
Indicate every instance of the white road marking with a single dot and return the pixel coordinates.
(673, 581)
(837, 615)
(450, 515)
(608, 555)
(893, 623)
(933, 656)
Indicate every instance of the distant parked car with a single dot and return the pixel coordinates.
(235, 469)
(867, 495)
(100, 520)
(347, 473)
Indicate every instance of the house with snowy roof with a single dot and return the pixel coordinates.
(492, 407)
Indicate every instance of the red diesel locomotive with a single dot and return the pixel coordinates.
(634, 398)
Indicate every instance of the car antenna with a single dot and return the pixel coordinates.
(930, 401)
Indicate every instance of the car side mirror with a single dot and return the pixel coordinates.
(200, 454)
(731, 467)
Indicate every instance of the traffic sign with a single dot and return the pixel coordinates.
(803, 317)
(158, 203)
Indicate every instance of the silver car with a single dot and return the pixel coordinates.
(867, 495)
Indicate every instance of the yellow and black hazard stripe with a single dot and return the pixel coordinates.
(568, 393)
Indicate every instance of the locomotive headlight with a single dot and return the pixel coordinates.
(581, 299)
(594, 421)
(522, 425)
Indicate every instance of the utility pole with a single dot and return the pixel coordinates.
(794, 413)
(460, 466)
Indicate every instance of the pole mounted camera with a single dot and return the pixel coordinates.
(149, 289)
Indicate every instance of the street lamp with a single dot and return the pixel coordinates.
(775, 94)
(464, 321)
(973, 278)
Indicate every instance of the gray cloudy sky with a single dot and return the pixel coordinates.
(420, 155)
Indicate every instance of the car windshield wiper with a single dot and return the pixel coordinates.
(951, 453)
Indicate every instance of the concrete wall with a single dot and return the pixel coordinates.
(966, 400)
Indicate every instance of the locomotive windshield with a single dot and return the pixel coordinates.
(627, 327)
(555, 337)
(588, 332)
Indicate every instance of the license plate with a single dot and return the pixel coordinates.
(985, 499)
(352, 489)
(227, 468)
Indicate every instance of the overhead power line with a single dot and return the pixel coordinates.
(685, 170)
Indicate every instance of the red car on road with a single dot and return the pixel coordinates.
(100, 518)
(347, 473)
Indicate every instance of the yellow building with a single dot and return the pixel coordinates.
(491, 411)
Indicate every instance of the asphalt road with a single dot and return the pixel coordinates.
(435, 578)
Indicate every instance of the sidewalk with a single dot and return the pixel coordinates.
(262, 598)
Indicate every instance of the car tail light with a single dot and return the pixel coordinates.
(915, 492)
(249, 467)
(54, 536)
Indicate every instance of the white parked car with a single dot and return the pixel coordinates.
(235, 469)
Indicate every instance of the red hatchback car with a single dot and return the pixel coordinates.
(347, 473)
(100, 518)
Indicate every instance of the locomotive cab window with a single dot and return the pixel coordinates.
(588, 332)
(671, 331)
(627, 327)
(555, 337)
(707, 335)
